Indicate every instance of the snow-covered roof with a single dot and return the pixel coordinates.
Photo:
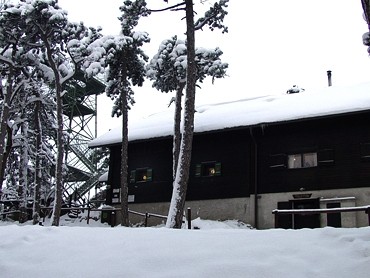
(249, 112)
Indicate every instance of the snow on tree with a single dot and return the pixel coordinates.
(167, 69)
(366, 15)
(20, 141)
(14, 62)
(39, 115)
(56, 47)
(24, 172)
(47, 26)
(213, 18)
(124, 61)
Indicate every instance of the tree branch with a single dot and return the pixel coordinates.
(6, 61)
(175, 7)
(214, 17)
(366, 8)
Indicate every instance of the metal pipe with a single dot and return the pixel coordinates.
(329, 77)
(189, 218)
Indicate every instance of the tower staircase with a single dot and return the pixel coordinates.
(80, 111)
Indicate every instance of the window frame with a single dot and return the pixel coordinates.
(325, 157)
(302, 163)
(134, 175)
(201, 169)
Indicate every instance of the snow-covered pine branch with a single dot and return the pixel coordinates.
(6, 60)
(168, 67)
(214, 17)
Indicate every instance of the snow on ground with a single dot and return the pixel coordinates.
(216, 249)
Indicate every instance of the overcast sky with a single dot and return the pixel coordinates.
(271, 46)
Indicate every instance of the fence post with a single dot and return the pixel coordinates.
(88, 213)
(189, 218)
(367, 211)
(146, 219)
(113, 219)
(275, 212)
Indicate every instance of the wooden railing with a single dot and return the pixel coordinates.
(278, 212)
(113, 210)
(146, 215)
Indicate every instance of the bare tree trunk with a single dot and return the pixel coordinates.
(8, 149)
(60, 153)
(176, 211)
(4, 126)
(23, 169)
(177, 129)
(38, 175)
(124, 156)
(60, 140)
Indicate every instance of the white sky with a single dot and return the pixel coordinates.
(271, 46)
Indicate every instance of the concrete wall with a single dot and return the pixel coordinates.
(347, 198)
(218, 209)
(243, 208)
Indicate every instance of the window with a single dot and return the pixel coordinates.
(141, 175)
(278, 161)
(365, 152)
(208, 169)
(295, 161)
(302, 160)
(325, 157)
(309, 160)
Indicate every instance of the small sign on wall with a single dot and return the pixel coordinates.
(116, 196)
(131, 198)
(302, 196)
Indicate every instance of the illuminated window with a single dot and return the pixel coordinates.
(141, 175)
(208, 169)
(302, 160)
(295, 161)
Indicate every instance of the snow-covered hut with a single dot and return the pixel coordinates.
(290, 151)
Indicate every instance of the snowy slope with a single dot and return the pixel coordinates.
(217, 251)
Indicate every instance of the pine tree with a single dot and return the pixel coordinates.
(29, 149)
(41, 120)
(167, 69)
(366, 16)
(38, 41)
(213, 18)
(126, 63)
(60, 48)
(47, 25)
(20, 135)
(14, 62)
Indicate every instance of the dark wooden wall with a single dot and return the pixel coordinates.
(339, 140)
(155, 154)
(343, 135)
(230, 148)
